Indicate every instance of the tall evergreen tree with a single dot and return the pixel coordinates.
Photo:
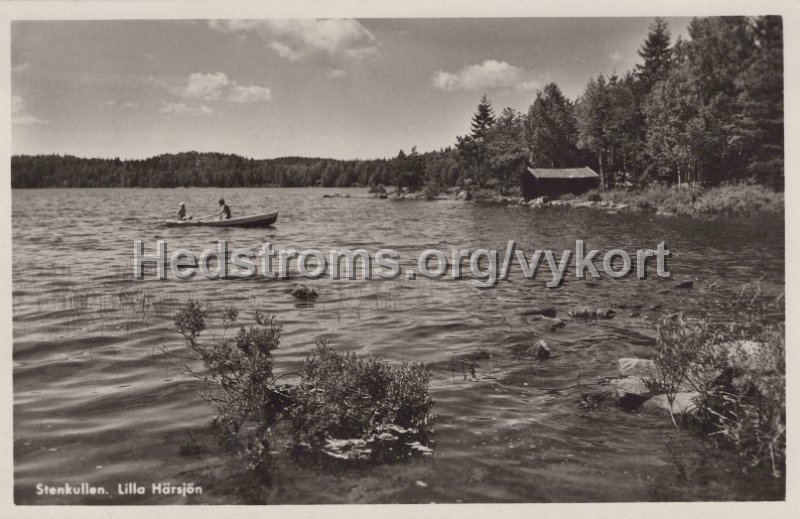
(472, 148)
(656, 54)
(483, 118)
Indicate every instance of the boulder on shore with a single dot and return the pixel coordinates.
(643, 368)
(682, 404)
(742, 353)
(464, 195)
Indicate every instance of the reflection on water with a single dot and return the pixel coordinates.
(97, 400)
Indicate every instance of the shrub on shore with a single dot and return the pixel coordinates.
(344, 406)
(731, 199)
(378, 189)
(738, 371)
(431, 190)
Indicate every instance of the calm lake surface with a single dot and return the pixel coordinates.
(97, 400)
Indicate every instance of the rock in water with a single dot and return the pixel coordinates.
(685, 284)
(542, 350)
(630, 392)
(556, 324)
(642, 368)
(547, 312)
(605, 313)
(584, 313)
(683, 404)
(302, 292)
(589, 313)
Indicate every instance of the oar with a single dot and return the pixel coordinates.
(205, 216)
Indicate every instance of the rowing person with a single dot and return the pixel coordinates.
(181, 212)
(224, 211)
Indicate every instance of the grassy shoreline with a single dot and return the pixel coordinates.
(738, 200)
(726, 200)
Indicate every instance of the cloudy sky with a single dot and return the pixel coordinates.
(322, 88)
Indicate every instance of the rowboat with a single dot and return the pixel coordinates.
(257, 220)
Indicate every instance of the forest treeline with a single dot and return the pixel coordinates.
(705, 110)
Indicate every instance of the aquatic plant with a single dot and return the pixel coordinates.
(239, 377)
(381, 408)
(344, 406)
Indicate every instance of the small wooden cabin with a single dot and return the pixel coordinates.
(554, 182)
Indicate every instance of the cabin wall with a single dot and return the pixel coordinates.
(533, 187)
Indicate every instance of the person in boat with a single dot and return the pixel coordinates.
(181, 212)
(224, 211)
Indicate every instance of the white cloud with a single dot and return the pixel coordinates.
(203, 86)
(19, 117)
(615, 56)
(249, 94)
(285, 51)
(296, 40)
(489, 75)
(184, 109)
(218, 86)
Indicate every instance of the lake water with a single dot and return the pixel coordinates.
(96, 399)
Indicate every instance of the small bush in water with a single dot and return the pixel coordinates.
(238, 374)
(343, 406)
(363, 408)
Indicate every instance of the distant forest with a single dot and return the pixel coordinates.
(706, 110)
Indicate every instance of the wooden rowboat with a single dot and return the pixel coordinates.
(258, 220)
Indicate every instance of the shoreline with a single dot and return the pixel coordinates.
(737, 200)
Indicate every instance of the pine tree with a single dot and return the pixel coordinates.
(483, 119)
(656, 54)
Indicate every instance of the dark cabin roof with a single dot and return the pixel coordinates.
(584, 172)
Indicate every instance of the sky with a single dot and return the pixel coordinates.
(338, 88)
